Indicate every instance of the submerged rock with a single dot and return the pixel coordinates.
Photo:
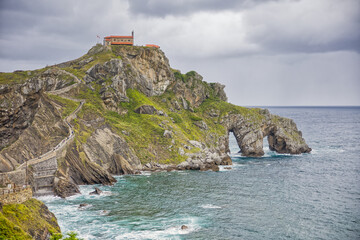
(82, 205)
(184, 227)
(96, 192)
(226, 160)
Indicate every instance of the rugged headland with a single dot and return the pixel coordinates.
(29, 220)
(119, 110)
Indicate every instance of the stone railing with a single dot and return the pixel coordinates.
(15, 195)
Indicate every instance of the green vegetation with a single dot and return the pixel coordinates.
(145, 133)
(176, 117)
(183, 77)
(70, 236)
(195, 118)
(68, 106)
(251, 114)
(18, 220)
(99, 55)
(8, 230)
(19, 76)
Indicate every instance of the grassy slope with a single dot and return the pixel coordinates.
(19, 76)
(146, 136)
(16, 220)
(68, 106)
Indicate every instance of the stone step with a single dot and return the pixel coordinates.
(45, 170)
(44, 181)
(43, 192)
(45, 186)
(45, 176)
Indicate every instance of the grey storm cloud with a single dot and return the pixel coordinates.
(261, 49)
(161, 8)
(306, 26)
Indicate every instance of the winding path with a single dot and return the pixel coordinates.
(67, 121)
(45, 166)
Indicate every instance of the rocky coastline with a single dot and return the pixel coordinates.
(122, 110)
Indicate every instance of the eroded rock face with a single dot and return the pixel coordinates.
(27, 129)
(77, 167)
(65, 188)
(19, 103)
(146, 70)
(284, 137)
(146, 109)
(282, 133)
(195, 90)
(207, 158)
(111, 151)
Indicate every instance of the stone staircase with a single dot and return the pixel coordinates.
(44, 167)
(44, 175)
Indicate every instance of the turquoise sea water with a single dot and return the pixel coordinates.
(308, 196)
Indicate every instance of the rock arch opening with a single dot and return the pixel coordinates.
(251, 143)
(233, 145)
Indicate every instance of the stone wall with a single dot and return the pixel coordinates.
(45, 165)
(17, 177)
(17, 195)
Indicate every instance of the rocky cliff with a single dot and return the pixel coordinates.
(136, 113)
(29, 220)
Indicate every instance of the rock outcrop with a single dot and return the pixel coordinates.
(81, 170)
(191, 88)
(146, 109)
(29, 220)
(147, 70)
(283, 135)
(135, 113)
(97, 191)
(111, 151)
(27, 116)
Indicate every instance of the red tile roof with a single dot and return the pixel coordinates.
(152, 45)
(118, 37)
(121, 43)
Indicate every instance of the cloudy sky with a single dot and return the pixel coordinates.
(266, 52)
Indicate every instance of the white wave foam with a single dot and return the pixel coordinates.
(106, 193)
(224, 168)
(104, 212)
(145, 173)
(169, 233)
(210, 206)
(87, 236)
(48, 198)
(327, 149)
(174, 231)
(79, 195)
